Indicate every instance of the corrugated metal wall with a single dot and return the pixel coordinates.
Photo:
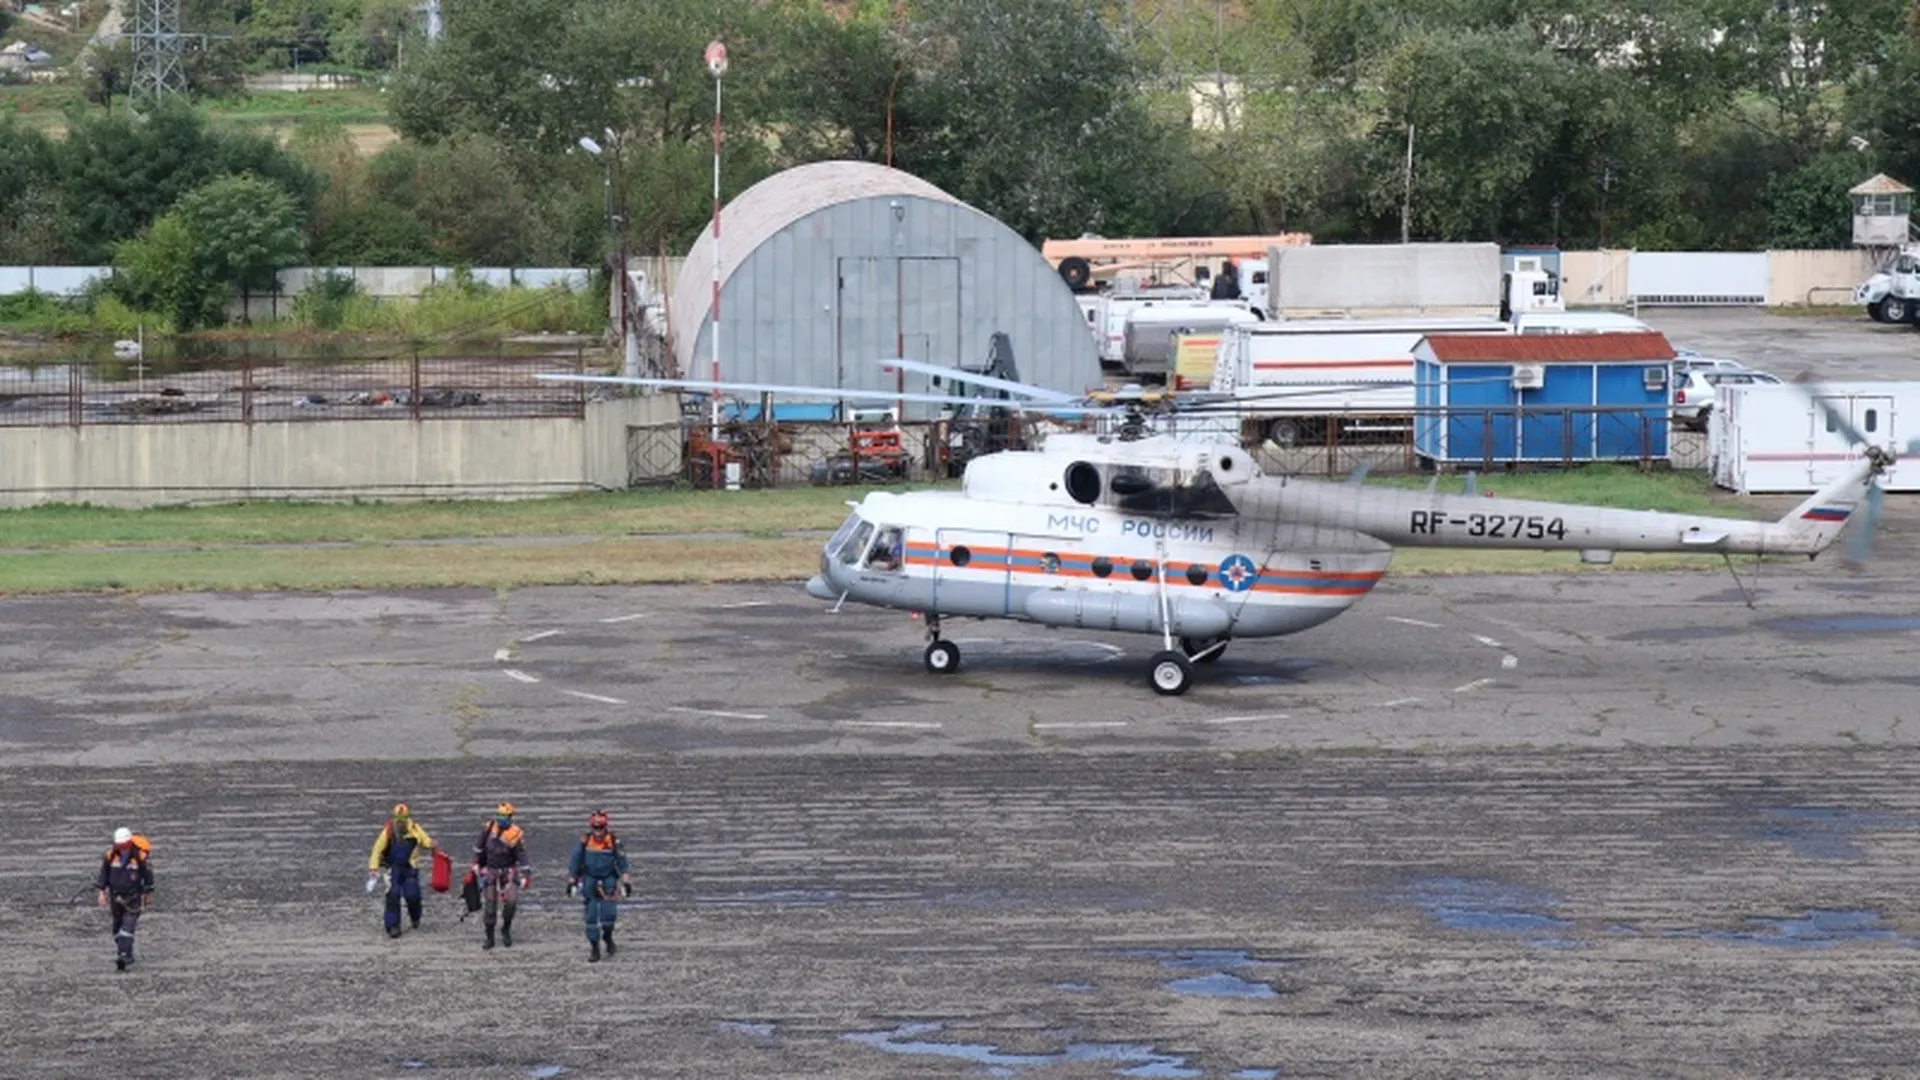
(823, 300)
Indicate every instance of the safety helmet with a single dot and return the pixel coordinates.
(505, 809)
(400, 810)
(122, 836)
(597, 819)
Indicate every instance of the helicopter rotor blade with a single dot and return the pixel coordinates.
(1068, 407)
(962, 377)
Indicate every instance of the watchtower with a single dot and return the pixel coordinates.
(1881, 212)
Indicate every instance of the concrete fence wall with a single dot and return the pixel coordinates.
(157, 464)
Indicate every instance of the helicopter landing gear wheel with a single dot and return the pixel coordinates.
(943, 657)
(1203, 650)
(1172, 673)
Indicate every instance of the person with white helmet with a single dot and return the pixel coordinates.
(125, 884)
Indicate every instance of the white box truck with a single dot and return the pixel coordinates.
(1773, 438)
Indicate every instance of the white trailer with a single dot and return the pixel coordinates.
(1767, 438)
(1158, 311)
(1431, 278)
(1294, 377)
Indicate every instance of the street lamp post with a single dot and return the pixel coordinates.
(616, 185)
(717, 65)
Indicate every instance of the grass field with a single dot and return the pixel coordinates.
(627, 537)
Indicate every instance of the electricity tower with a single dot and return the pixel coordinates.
(157, 47)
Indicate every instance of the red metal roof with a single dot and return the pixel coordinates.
(1548, 348)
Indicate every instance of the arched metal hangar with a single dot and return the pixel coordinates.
(829, 268)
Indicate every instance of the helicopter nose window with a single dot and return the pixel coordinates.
(888, 549)
(856, 546)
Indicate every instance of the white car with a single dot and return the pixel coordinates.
(1694, 391)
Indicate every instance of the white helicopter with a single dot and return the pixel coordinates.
(1141, 532)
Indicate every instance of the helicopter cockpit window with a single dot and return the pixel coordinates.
(887, 550)
(842, 534)
(856, 546)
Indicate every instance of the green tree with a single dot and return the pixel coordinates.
(245, 230)
(159, 271)
(235, 232)
(117, 173)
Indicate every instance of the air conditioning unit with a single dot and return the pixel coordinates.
(1529, 376)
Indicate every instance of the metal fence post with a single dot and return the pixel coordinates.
(413, 385)
(246, 388)
(75, 390)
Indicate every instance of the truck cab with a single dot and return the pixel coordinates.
(1892, 294)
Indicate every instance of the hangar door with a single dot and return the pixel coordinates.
(907, 306)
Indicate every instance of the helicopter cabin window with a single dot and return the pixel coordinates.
(1141, 571)
(842, 535)
(1833, 423)
(888, 549)
(1872, 419)
(1050, 563)
(856, 546)
(1102, 566)
(960, 556)
(1196, 574)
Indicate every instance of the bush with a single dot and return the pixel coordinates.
(328, 302)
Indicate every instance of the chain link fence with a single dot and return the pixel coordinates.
(250, 390)
(753, 454)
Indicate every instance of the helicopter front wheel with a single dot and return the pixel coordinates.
(1172, 673)
(943, 657)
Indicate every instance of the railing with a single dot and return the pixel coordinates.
(250, 390)
(756, 455)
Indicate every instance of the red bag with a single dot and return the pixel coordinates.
(442, 877)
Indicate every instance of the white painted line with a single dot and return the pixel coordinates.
(717, 712)
(1081, 724)
(748, 603)
(1509, 661)
(593, 697)
(1474, 685)
(917, 724)
(540, 635)
(1414, 622)
(1399, 701)
(1254, 718)
(502, 655)
(522, 676)
(627, 618)
(1488, 642)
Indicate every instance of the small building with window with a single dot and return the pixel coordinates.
(1776, 439)
(1495, 399)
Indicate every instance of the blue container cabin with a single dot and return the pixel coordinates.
(1504, 399)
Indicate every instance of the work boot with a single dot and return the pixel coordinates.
(416, 922)
(489, 943)
(594, 956)
(120, 962)
(606, 935)
(393, 931)
(506, 930)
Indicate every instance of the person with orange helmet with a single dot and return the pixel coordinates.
(598, 873)
(125, 883)
(499, 856)
(397, 850)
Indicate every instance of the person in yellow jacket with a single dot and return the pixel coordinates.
(397, 850)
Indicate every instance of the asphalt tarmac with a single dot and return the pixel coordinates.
(1593, 824)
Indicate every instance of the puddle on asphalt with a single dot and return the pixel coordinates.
(1828, 833)
(1130, 1059)
(1844, 624)
(1492, 907)
(1214, 964)
(1817, 929)
(757, 1029)
(1073, 987)
(546, 1072)
(1219, 984)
